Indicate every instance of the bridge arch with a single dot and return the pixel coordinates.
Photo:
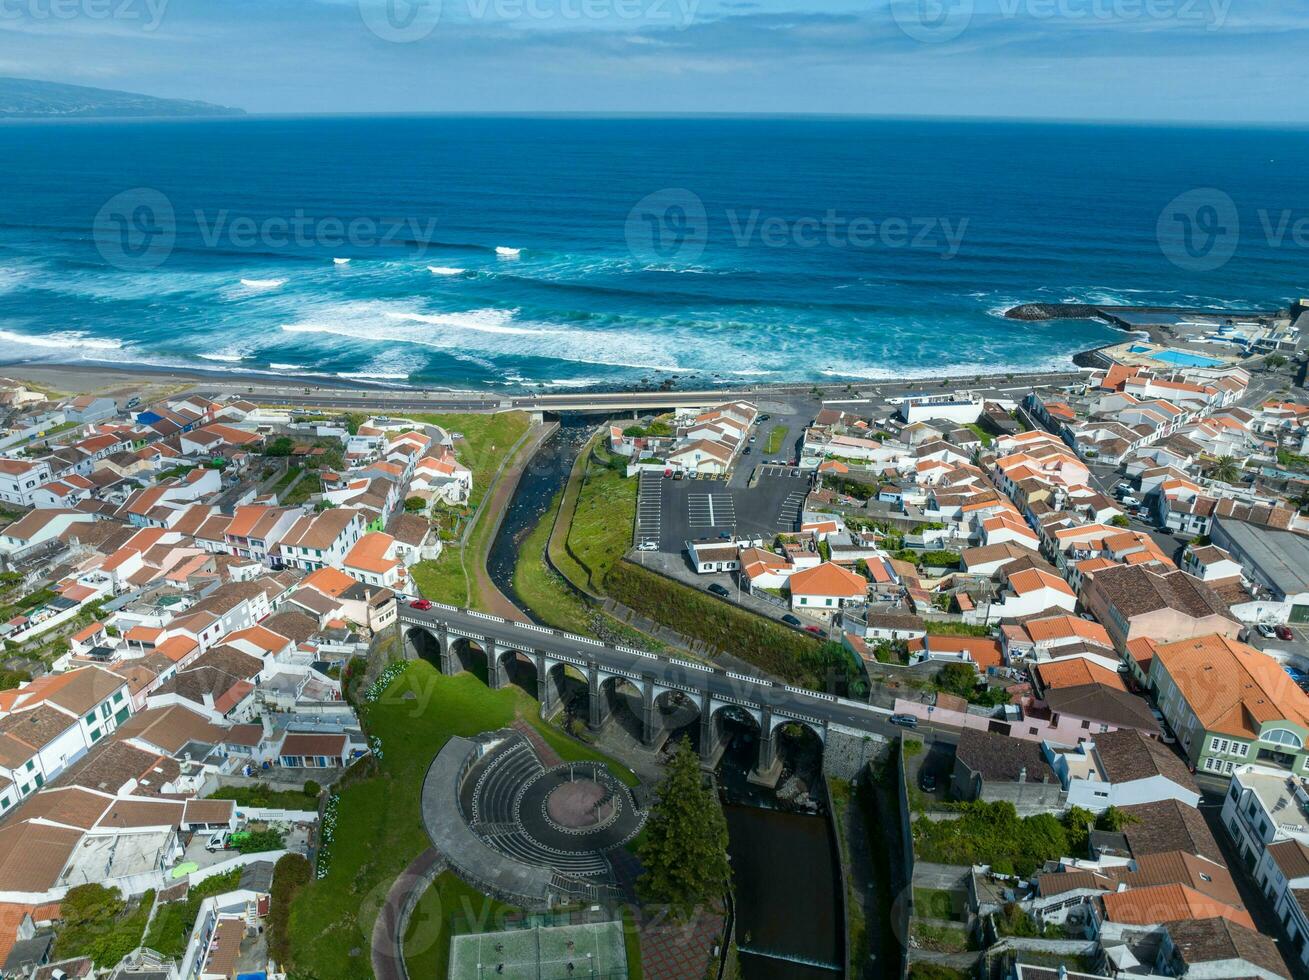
(519, 669)
(728, 723)
(422, 644)
(471, 656)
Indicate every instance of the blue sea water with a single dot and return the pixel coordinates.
(563, 252)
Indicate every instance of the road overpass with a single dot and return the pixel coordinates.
(455, 639)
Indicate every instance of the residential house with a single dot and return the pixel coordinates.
(1230, 705)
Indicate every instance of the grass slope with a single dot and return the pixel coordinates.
(379, 826)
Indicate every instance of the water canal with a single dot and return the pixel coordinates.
(790, 916)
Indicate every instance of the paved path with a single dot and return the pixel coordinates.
(388, 930)
(678, 950)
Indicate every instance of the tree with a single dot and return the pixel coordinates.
(281, 446)
(1226, 470)
(312, 789)
(1274, 361)
(1114, 820)
(1119, 520)
(685, 847)
(415, 505)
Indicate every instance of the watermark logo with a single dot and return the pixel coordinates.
(1198, 231)
(937, 21)
(136, 229)
(400, 21)
(147, 14)
(932, 21)
(670, 225)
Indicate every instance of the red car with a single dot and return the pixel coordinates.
(423, 604)
(1284, 633)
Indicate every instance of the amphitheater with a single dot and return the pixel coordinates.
(521, 825)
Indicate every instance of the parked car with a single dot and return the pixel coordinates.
(926, 781)
(815, 630)
(904, 721)
(1284, 633)
(718, 590)
(647, 546)
(745, 451)
(217, 841)
(422, 604)
(1131, 501)
(1266, 631)
(790, 620)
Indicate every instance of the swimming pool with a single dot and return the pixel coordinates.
(1179, 357)
(1185, 359)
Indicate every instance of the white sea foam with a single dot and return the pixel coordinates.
(493, 333)
(372, 376)
(340, 261)
(61, 340)
(263, 283)
(445, 270)
(294, 368)
(225, 358)
(506, 252)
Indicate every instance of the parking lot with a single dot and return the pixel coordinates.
(672, 512)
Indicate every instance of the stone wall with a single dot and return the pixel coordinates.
(845, 753)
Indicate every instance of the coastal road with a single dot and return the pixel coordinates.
(1009, 386)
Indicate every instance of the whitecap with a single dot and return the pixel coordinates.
(506, 252)
(226, 358)
(445, 270)
(263, 283)
(61, 340)
(340, 261)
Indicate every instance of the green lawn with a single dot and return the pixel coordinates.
(547, 596)
(776, 438)
(442, 580)
(933, 903)
(379, 829)
(265, 796)
(601, 530)
(427, 939)
(486, 440)
(302, 491)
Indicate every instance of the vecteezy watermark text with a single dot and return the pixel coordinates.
(937, 21)
(673, 225)
(138, 229)
(1201, 229)
(406, 21)
(149, 14)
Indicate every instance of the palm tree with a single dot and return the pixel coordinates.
(1226, 470)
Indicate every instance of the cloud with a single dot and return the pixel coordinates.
(1194, 59)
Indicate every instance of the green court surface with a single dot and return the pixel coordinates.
(542, 953)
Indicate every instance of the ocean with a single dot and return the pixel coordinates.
(566, 252)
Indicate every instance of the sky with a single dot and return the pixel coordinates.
(1133, 60)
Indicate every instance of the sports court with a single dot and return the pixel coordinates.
(574, 952)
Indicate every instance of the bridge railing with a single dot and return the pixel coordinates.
(424, 617)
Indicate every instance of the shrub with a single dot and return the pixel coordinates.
(994, 834)
(312, 789)
(290, 874)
